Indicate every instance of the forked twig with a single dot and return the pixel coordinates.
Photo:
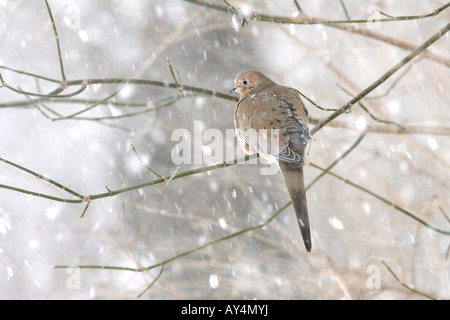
(405, 285)
(382, 79)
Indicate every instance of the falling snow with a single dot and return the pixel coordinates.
(385, 201)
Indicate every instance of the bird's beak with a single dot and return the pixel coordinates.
(232, 90)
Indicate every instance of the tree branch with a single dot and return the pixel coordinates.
(382, 79)
(61, 65)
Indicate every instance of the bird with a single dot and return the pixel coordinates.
(271, 120)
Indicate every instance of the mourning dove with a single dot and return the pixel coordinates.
(272, 120)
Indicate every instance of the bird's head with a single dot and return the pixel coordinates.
(247, 81)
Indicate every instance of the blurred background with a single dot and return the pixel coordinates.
(399, 218)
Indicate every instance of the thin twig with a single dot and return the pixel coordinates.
(347, 16)
(448, 220)
(444, 214)
(345, 25)
(366, 110)
(172, 175)
(447, 253)
(340, 158)
(146, 166)
(86, 82)
(230, 6)
(57, 41)
(112, 193)
(289, 20)
(405, 285)
(88, 108)
(313, 103)
(394, 83)
(152, 283)
(53, 94)
(173, 76)
(153, 108)
(382, 199)
(41, 177)
(184, 253)
(376, 128)
(30, 74)
(297, 5)
(382, 79)
(399, 43)
(404, 129)
(85, 208)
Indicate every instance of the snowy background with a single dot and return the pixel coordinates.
(355, 234)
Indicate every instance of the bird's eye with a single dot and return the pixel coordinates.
(244, 82)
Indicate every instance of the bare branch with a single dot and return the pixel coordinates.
(305, 21)
(382, 79)
(405, 285)
(61, 65)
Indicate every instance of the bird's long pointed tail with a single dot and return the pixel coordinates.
(294, 180)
